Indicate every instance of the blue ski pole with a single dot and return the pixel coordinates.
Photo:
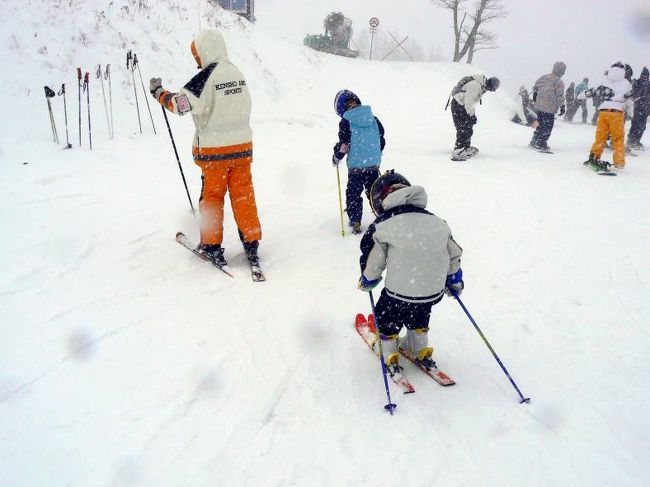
(390, 407)
(521, 396)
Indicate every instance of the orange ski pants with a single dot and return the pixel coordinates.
(233, 176)
(610, 123)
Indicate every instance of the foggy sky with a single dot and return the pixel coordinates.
(588, 35)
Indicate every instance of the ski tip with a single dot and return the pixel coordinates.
(371, 322)
(359, 320)
(179, 235)
(525, 401)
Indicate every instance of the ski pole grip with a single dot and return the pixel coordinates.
(79, 74)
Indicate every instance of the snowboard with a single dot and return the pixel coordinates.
(599, 170)
(464, 156)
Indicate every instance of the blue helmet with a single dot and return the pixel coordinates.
(341, 100)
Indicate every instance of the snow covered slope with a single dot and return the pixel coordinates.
(124, 360)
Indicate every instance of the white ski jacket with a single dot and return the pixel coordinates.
(615, 80)
(414, 246)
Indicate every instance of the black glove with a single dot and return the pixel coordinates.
(473, 119)
(562, 110)
(335, 161)
(155, 84)
(534, 96)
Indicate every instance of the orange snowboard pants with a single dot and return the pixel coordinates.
(234, 176)
(610, 123)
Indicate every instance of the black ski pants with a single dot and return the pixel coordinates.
(358, 179)
(639, 122)
(544, 129)
(393, 314)
(464, 124)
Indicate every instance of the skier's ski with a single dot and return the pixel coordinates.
(367, 332)
(436, 374)
(256, 273)
(189, 245)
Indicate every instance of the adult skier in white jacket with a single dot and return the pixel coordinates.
(220, 104)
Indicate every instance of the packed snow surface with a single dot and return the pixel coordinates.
(125, 360)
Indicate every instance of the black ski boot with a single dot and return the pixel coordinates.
(251, 252)
(214, 252)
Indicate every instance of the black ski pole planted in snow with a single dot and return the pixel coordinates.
(49, 93)
(136, 63)
(87, 90)
(65, 114)
(171, 136)
(79, 87)
(521, 396)
(130, 65)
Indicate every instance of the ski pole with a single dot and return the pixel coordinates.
(49, 93)
(65, 113)
(129, 65)
(521, 396)
(390, 407)
(146, 98)
(101, 80)
(87, 90)
(178, 159)
(107, 75)
(338, 181)
(79, 88)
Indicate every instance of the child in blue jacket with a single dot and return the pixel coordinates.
(361, 138)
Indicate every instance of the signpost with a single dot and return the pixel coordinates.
(374, 23)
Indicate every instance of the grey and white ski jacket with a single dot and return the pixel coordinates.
(413, 245)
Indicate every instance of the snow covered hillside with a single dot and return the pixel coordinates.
(125, 360)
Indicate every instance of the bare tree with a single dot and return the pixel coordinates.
(469, 36)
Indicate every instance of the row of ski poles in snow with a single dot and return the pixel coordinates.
(390, 406)
(83, 84)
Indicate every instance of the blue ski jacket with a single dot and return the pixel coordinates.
(364, 134)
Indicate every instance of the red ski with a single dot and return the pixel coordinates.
(367, 330)
(436, 374)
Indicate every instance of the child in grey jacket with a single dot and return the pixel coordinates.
(421, 260)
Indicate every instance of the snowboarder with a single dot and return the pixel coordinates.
(421, 260)
(581, 99)
(220, 104)
(570, 98)
(465, 96)
(361, 138)
(524, 113)
(548, 95)
(614, 91)
(641, 96)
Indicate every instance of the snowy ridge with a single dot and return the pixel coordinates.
(126, 361)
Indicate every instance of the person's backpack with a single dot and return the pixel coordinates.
(459, 88)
